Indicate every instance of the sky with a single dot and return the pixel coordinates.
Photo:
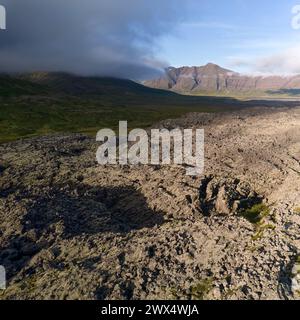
(248, 36)
(138, 38)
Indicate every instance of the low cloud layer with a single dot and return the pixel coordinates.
(286, 62)
(99, 37)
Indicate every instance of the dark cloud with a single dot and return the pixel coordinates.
(102, 37)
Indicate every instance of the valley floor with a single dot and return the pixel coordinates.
(71, 229)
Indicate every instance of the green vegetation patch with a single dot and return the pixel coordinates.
(201, 289)
(260, 216)
(297, 210)
(256, 214)
(21, 118)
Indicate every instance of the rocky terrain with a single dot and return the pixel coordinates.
(212, 79)
(71, 229)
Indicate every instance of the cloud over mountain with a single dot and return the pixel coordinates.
(114, 38)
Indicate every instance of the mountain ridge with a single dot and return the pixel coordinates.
(43, 83)
(213, 79)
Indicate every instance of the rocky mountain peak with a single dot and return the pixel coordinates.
(211, 68)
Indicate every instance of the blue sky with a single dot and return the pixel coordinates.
(244, 35)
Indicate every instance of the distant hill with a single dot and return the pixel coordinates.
(214, 80)
(15, 86)
(69, 84)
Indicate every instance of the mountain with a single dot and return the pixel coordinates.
(15, 86)
(39, 83)
(213, 79)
